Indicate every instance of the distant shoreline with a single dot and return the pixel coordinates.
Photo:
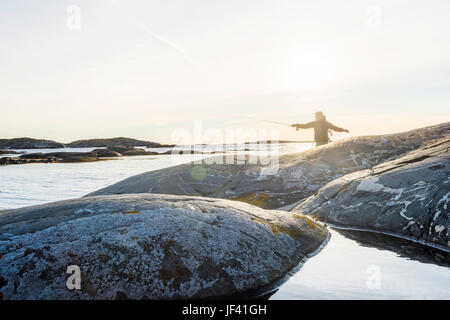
(31, 143)
(99, 154)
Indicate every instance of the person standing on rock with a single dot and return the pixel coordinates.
(321, 128)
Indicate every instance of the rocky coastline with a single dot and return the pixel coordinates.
(414, 204)
(217, 229)
(100, 154)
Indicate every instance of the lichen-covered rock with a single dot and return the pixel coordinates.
(408, 197)
(277, 182)
(150, 247)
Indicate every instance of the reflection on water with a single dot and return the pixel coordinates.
(404, 248)
(370, 268)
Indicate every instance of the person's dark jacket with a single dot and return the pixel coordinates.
(321, 128)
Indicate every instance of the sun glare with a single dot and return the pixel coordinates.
(308, 72)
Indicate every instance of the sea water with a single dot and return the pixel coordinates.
(37, 183)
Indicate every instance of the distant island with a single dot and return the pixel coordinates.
(30, 143)
(116, 142)
(104, 149)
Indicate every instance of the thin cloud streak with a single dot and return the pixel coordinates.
(155, 35)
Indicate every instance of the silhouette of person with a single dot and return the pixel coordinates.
(321, 128)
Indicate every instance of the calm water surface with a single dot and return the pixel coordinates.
(361, 265)
(30, 184)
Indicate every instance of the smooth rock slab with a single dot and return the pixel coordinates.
(150, 247)
(278, 181)
(408, 197)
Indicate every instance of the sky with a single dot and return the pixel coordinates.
(145, 69)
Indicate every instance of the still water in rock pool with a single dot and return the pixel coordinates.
(364, 265)
(353, 264)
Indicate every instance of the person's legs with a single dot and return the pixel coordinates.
(319, 143)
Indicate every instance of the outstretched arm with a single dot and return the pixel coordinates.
(303, 126)
(337, 129)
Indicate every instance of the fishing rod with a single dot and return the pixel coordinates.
(275, 122)
(283, 124)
